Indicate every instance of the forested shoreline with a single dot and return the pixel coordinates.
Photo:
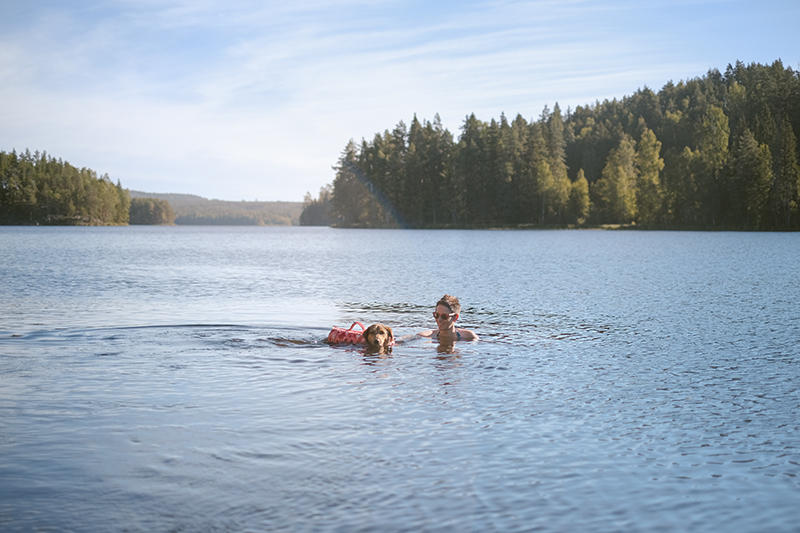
(719, 152)
(151, 212)
(38, 189)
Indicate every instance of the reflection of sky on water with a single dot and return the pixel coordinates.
(641, 379)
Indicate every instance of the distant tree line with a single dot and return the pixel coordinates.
(151, 211)
(191, 209)
(237, 215)
(716, 152)
(38, 189)
(318, 211)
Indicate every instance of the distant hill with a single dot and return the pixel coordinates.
(191, 209)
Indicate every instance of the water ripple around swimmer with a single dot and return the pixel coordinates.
(630, 382)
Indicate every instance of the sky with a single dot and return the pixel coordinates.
(255, 100)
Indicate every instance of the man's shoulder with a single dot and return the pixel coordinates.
(468, 335)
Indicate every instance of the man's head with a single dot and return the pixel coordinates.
(450, 302)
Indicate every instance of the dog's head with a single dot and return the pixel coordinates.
(379, 336)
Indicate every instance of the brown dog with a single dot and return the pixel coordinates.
(379, 336)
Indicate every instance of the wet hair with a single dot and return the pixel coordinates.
(450, 302)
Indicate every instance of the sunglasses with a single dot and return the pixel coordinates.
(437, 316)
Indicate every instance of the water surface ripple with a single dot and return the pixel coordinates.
(165, 379)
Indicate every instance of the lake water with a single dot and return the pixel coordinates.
(174, 379)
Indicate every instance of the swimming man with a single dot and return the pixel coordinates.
(447, 312)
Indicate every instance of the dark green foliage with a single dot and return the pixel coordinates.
(749, 179)
(152, 211)
(37, 189)
(615, 191)
(319, 211)
(579, 203)
(355, 203)
(717, 152)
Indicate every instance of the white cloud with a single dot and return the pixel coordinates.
(243, 100)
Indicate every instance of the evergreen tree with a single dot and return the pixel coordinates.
(317, 211)
(123, 207)
(579, 204)
(615, 192)
(151, 211)
(350, 196)
(648, 184)
(682, 200)
(787, 177)
(524, 178)
(472, 166)
(559, 193)
(414, 192)
(542, 171)
(446, 197)
(498, 170)
(752, 174)
(547, 139)
(712, 153)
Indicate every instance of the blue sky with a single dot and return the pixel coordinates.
(245, 100)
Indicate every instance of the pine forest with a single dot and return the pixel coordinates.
(719, 152)
(38, 189)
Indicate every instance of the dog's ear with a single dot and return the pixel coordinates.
(391, 333)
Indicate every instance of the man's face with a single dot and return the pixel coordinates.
(444, 316)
